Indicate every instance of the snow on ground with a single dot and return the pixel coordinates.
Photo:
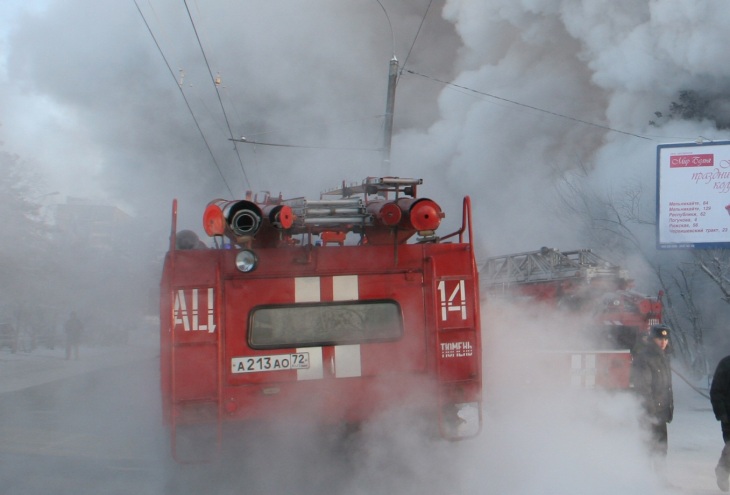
(695, 441)
(21, 370)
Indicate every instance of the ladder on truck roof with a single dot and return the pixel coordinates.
(546, 265)
(345, 206)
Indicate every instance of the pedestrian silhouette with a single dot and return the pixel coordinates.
(73, 328)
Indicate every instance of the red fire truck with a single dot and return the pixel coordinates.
(579, 282)
(330, 310)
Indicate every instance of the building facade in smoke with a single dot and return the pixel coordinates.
(88, 222)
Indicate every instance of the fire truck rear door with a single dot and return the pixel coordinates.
(343, 343)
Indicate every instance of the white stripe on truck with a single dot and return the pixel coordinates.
(347, 360)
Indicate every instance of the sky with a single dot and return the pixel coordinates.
(497, 99)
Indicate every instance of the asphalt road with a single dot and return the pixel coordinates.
(100, 432)
(94, 427)
(91, 433)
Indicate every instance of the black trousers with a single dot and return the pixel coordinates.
(724, 461)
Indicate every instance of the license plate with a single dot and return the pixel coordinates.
(277, 362)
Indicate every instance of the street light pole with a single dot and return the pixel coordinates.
(388, 127)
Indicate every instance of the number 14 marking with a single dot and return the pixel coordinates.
(456, 301)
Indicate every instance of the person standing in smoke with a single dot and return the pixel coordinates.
(73, 329)
(652, 380)
(720, 399)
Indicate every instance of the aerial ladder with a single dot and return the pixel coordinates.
(552, 269)
(580, 281)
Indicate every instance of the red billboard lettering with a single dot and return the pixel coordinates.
(681, 161)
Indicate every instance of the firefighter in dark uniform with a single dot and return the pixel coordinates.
(720, 398)
(652, 379)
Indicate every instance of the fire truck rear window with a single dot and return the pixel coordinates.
(325, 324)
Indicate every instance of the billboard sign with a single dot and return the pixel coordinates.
(693, 195)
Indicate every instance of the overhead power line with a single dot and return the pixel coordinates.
(174, 77)
(392, 35)
(423, 19)
(215, 86)
(247, 141)
(537, 109)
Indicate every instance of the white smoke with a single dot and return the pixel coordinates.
(99, 104)
(609, 65)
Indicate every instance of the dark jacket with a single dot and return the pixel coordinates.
(651, 376)
(720, 391)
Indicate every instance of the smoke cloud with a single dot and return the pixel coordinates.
(544, 87)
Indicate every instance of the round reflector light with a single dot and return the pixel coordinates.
(213, 221)
(390, 214)
(246, 260)
(285, 217)
(425, 215)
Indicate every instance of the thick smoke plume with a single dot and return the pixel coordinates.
(551, 86)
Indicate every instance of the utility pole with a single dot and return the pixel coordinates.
(388, 127)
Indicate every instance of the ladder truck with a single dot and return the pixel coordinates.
(579, 282)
